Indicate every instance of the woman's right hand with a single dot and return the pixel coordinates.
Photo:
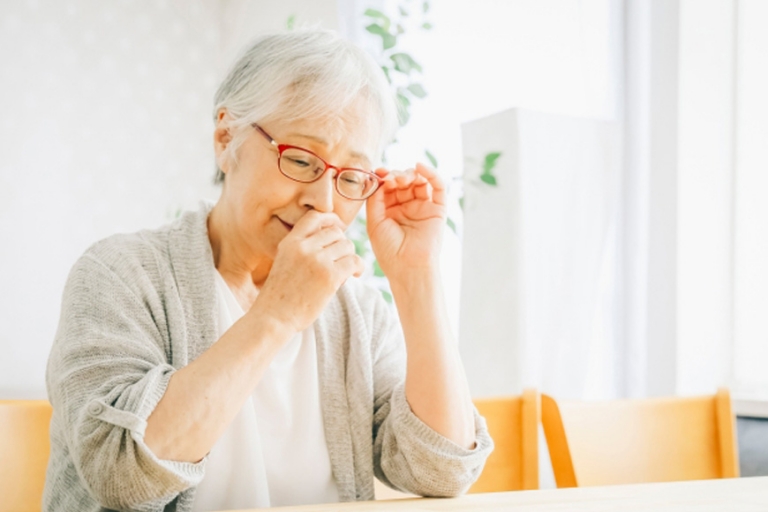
(312, 262)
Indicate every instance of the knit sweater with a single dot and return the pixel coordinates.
(138, 307)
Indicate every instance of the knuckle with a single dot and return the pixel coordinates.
(302, 248)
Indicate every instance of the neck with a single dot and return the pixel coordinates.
(237, 263)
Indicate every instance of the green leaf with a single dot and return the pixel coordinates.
(490, 162)
(373, 13)
(388, 41)
(405, 63)
(375, 28)
(378, 15)
(404, 107)
(427, 25)
(417, 90)
(385, 69)
(431, 158)
(387, 296)
(490, 179)
(400, 29)
(451, 225)
(290, 23)
(377, 269)
(425, 7)
(404, 115)
(461, 203)
(403, 12)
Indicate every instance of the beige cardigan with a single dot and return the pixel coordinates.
(138, 307)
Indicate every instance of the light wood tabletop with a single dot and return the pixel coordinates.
(726, 495)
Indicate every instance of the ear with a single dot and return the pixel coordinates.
(221, 139)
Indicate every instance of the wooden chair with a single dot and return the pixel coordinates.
(24, 450)
(635, 441)
(513, 423)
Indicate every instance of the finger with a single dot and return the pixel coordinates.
(390, 198)
(325, 237)
(438, 189)
(314, 221)
(351, 265)
(422, 190)
(405, 179)
(376, 206)
(404, 195)
(339, 249)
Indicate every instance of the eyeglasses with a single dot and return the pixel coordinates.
(302, 165)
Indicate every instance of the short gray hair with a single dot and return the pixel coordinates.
(305, 74)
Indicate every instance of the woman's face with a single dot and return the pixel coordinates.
(265, 205)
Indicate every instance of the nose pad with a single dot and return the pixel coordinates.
(318, 195)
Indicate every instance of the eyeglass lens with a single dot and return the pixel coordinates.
(303, 166)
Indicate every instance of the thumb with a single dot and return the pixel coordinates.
(375, 207)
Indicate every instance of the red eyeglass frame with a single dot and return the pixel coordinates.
(283, 147)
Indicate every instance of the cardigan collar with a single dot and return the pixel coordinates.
(192, 263)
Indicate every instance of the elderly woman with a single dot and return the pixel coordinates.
(231, 359)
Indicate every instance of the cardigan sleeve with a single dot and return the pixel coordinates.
(107, 371)
(409, 455)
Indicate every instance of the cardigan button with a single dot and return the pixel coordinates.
(95, 408)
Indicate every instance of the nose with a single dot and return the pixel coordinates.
(318, 195)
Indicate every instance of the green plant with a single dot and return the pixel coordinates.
(489, 163)
(400, 68)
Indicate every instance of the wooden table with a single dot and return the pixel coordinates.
(731, 495)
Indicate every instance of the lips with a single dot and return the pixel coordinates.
(287, 225)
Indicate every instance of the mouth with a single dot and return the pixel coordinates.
(287, 225)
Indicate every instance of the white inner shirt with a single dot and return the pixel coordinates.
(274, 452)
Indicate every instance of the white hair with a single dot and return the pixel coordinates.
(306, 74)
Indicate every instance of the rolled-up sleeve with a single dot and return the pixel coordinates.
(409, 455)
(107, 371)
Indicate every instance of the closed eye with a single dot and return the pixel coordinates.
(352, 179)
(299, 162)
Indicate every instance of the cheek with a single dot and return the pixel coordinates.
(264, 188)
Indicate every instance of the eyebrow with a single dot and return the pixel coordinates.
(353, 154)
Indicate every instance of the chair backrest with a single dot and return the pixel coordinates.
(513, 424)
(636, 441)
(24, 450)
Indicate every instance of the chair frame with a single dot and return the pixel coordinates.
(530, 417)
(22, 481)
(560, 452)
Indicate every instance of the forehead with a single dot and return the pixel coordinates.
(348, 139)
(351, 131)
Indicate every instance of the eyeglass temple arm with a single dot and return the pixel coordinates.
(265, 134)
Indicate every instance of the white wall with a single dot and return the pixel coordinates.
(106, 128)
(540, 265)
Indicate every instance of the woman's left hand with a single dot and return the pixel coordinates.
(406, 219)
